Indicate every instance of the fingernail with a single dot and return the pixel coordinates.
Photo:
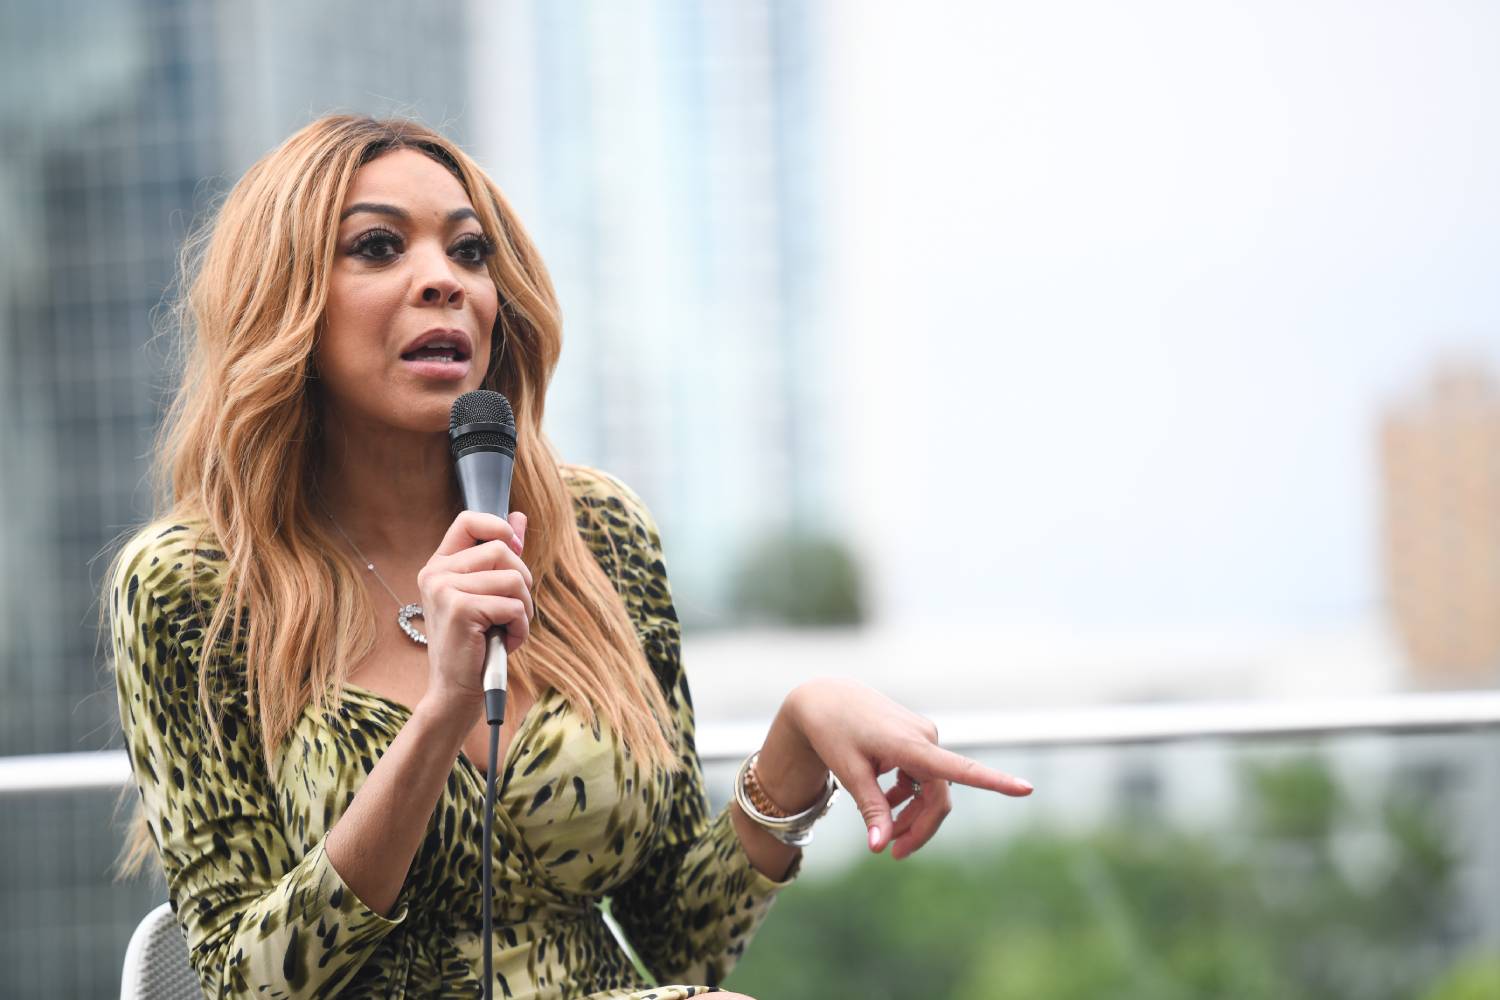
(874, 838)
(1026, 784)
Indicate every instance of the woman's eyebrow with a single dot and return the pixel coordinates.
(402, 214)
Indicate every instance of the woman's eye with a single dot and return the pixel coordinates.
(474, 249)
(382, 244)
(377, 245)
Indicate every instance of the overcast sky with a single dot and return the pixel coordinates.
(1127, 286)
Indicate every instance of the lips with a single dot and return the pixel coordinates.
(440, 346)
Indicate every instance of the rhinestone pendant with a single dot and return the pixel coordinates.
(404, 617)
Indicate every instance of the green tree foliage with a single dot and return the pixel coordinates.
(1478, 978)
(1140, 911)
(796, 578)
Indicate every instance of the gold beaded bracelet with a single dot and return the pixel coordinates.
(794, 830)
(759, 797)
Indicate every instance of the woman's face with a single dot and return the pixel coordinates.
(410, 304)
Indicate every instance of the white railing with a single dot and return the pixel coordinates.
(972, 731)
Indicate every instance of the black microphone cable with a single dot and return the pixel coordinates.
(494, 707)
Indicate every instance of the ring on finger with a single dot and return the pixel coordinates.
(916, 786)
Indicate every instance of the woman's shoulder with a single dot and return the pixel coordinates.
(175, 564)
(164, 589)
(169, 548)
(606, 499)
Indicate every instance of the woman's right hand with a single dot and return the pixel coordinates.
(474, 580)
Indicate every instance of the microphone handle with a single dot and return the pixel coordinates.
(484, 479)
(496, 674)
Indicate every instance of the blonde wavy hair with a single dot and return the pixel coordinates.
(238, 449)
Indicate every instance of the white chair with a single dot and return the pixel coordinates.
(156, 961)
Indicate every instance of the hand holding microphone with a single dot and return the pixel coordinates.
(475, 581)
(476, 589)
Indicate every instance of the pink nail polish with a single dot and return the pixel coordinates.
(874, 838)
(1026, 784)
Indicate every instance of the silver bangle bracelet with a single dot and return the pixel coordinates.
(794, 830)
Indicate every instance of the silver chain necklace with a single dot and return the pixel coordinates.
(408, 611)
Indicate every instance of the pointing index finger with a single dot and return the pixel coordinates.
(941, 763)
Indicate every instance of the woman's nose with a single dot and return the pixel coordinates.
(443, 290)
(436, 284)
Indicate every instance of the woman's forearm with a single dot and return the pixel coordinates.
(793, 776)
(373, 843)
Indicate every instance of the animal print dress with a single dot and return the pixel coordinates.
(266, 914)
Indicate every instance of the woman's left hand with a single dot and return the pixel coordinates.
(860, 734)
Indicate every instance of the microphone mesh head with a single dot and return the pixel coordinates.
(482, 406)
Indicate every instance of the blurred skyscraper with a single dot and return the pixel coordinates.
(102, 174)
(668, 159)
(121, 123)
(1441, 459)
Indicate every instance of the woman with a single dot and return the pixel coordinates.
(305, 745)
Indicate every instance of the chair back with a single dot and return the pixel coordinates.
(156, 961)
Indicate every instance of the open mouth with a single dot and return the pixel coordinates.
(437, 350)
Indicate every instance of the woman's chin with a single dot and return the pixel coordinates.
(401, 404)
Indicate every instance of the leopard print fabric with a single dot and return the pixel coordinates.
(266, 914)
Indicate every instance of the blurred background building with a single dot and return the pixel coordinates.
(1440, 454)
(999, 355)
(671, 160)
(103, 175)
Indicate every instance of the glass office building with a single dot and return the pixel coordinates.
(669, 159)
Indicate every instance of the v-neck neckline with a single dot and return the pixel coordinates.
(523, 728)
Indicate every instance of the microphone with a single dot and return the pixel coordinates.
(482, 436)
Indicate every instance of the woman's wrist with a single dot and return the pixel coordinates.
(444, 721)
(788, 769)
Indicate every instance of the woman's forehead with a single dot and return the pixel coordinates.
(410, 180)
